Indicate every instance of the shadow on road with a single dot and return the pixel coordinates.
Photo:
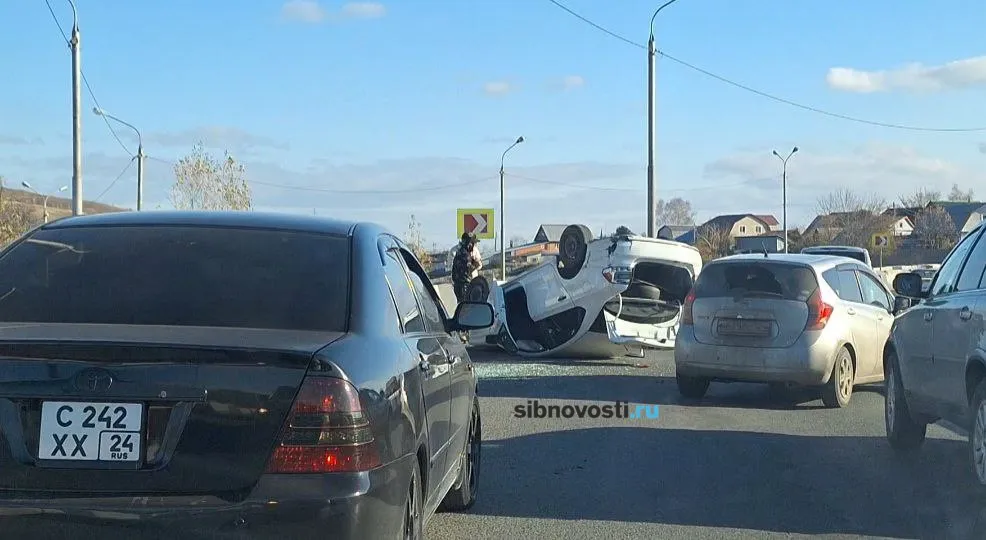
(746, 480)
(646, 389)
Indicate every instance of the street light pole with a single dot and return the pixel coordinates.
(74, 42)
(44, 198)
(140, 154)
(784, 188)
(503, 238)
(651, 114)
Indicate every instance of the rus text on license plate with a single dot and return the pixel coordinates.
(741, 327)
(91, 432)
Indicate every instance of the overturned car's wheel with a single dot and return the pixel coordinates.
(478, 289)
(572, 249)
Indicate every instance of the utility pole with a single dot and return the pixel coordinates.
(651, 115)
(503, 237)
(77, 209)
(784, 189)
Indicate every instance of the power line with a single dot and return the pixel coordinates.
(115, 180)
(92, 95)
(761, 93)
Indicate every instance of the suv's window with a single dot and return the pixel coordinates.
(948, 274)
(844, 283)
(178, 276)
(873, 292)
(400, 286)
(764, 279)
(972, 272)
(434, 321)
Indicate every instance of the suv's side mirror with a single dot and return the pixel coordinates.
(901, 304)
(909, 284)
(472, 316)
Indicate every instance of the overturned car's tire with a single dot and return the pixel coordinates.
(478, 289)
(572, 250)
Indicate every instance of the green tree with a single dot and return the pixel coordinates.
(203, 182)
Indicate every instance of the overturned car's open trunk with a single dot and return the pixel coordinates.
(656, 293)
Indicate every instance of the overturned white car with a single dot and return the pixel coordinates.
(601, 298)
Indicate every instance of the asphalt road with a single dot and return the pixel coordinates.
(740, 464)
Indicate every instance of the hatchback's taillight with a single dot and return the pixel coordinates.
(818, 311)
(686, 308)
(326, 431)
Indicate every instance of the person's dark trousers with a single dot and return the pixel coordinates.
(460, 290)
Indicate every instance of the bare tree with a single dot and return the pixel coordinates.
(959, 195)
(203, 182)
(855, 217)
(920, 198)
(414, 239)
(714, 242)
(517, 240)
(934, 228)
(676, 211)
(16, 218)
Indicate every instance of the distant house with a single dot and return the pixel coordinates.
(549, 233)
(904, 224)
(770, 220)
(738, 224)
(830, 225)
(965, 215)
(771, 242)
(674, 232)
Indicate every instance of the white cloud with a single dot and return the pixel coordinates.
(364, 10)
(913, 77)
(225, 137)
(886, 170)
(497, 88)
(311, 12)
(573, 81)
(306, 11)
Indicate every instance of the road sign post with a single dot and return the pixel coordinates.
(478, 221)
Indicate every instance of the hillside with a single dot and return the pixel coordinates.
(58, 207)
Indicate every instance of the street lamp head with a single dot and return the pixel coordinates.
(63, 188)
(97, 111)
(795, 151)
(776, 154)
(519, 140)
(26, 184)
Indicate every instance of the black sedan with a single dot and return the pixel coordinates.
(229, 374)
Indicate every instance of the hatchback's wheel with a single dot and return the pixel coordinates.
(977, 436)
(413, 528)
(572, 250)
(692, 387)
(838, 391)
(463, 493)
(903, 433)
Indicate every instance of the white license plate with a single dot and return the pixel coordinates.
(80, 431)
(739, 327)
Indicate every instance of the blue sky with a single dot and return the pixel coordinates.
(403, 95)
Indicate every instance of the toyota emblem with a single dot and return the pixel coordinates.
(94, 380)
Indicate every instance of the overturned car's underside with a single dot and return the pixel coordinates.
(601, 298)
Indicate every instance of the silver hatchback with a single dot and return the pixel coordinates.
(814, 320)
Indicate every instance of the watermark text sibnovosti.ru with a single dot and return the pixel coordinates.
(618, 409)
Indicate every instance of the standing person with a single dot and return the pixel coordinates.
(465, 265)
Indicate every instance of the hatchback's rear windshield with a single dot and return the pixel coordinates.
(178, 276)
(859, 256)
(756, 279)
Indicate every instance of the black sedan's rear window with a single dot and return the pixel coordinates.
(760, 279)
(178, 276)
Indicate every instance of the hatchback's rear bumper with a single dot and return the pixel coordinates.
(808, 361)
(357, 505)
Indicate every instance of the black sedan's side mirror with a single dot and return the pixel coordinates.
(909, 284)
(901, 304)
(472, 316)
